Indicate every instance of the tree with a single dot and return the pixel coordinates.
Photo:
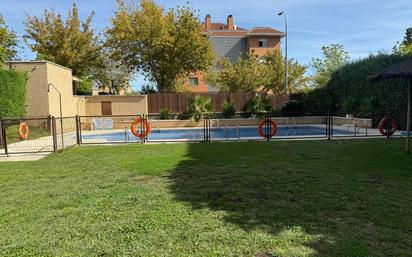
(334, 57)
(250, 73)
(8, 43)
(112, 74)
(273, 74)
(71, 42)
(405, 47)
(84, 86)
(148, 89)
(243, 75)
(166, 46)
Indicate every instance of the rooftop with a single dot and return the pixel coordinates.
(232, 30)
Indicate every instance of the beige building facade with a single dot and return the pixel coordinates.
(46, 80)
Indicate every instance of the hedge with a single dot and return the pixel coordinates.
(12, 93)
(349, 90)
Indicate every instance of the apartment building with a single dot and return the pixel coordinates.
(229, 41)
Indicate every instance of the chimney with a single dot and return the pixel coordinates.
(230, 25)
(208, 22)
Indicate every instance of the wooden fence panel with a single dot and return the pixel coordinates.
(178, 102)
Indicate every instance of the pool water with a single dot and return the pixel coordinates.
(221, 133)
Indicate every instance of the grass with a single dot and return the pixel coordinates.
(35, 132)
(319, 198)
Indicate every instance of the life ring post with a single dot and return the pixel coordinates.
(267, 128)
(145, 128)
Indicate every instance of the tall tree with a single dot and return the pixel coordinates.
(405, 47)
(242, 75)
(334, 57)
(8, 43)
(273, 74)
(251, 73)
(71, 42)
(165, 45)
(112, 75)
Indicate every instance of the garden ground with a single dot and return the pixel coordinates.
(313, 198)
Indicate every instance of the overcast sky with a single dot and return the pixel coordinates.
(362, 26)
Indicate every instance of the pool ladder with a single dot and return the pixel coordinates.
(126, 135)
(237, 132)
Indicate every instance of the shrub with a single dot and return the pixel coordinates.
(293, 109)
(165, 114)
(84, 86)
(257, 105)
(228, 109)
(349, 90)
(198, 106)
(12, 93)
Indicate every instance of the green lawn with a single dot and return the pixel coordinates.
(319, 198)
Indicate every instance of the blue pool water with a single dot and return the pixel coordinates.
(215, 133)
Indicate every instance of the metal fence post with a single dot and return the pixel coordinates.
(54, 134)
(77, 130)
(204, 129)
(4, 137)
(143, 127)
(1, 132)
(268, 125)
(329, 121)
(208, 128)
(388, 115)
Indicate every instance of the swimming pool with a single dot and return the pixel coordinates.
(217, 133)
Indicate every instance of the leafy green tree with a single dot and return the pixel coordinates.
(8, 43)
(250, 73)
(71, 42)
(405, 47)
(166, 45)
(84, 86)
(334, 57)
(243, 75)
(112, 75)
(273, 74)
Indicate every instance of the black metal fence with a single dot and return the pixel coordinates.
(49, 134)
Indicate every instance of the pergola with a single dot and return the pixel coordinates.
(402, 70)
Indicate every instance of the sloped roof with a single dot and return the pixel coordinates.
(265, 31)
(402, 69)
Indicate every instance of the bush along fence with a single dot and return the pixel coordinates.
(50, 134)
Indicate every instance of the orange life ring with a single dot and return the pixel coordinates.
(383, 127)
(135, 130)
(24, 130)
(273, 130)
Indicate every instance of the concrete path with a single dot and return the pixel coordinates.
(23, 157)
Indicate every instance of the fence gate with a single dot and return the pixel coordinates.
(31, 135)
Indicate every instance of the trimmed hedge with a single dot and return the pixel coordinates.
(12, 93)
(349, 90)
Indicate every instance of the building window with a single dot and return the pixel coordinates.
(194, 82)
(263, 43)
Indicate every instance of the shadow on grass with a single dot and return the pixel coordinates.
(315, 196)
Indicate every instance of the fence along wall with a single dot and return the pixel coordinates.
(177, 102)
